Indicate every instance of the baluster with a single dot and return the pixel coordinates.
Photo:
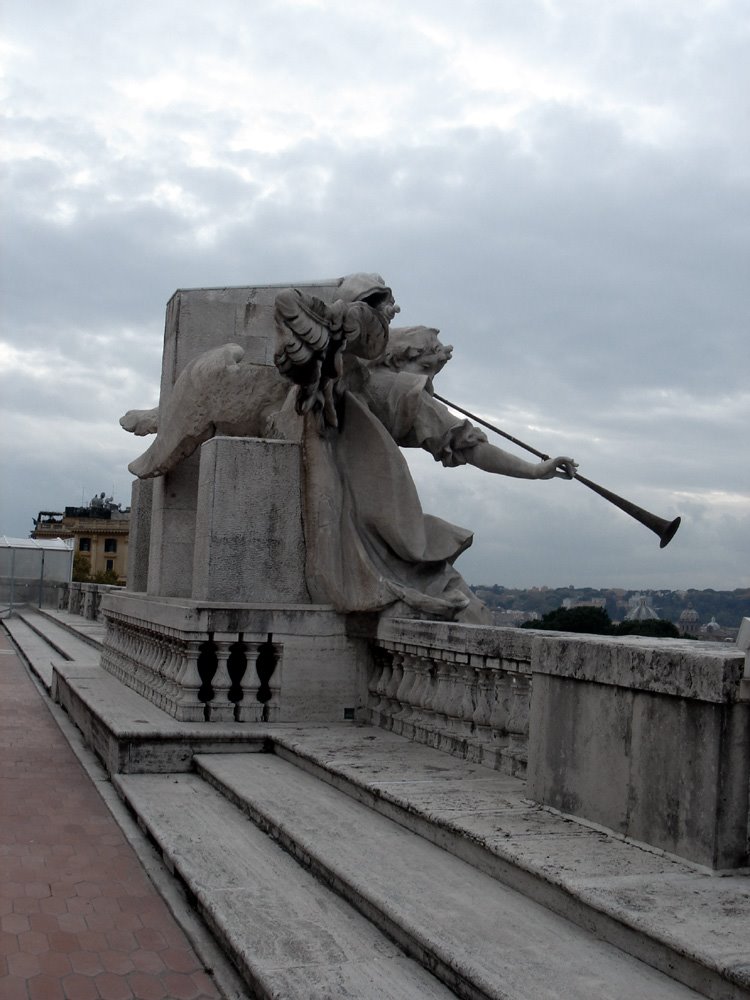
(146, 673)
(403, 695)
(150, 660)
(430, 697)
(482, 712)
(380, 709)
(248, 708)
(129, 657)
(136, 679)
(453, 698)
(518, 718)
(237, 671)
(440, 702)
(188, 707)
(373, 676)
(222, 709)
(272, 707)
(170, 670)
(419, 691)
(500, 707)
(116, 639)
(394, 682)
(155, 666)
(267, 667)
(139, 672)
(468, 703)
(162, 686)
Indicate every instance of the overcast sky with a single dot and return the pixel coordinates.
(561, 186)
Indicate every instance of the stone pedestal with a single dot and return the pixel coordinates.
(172, 537)
(199, 320)
(249, 544)
(217, 624)
(141, 501)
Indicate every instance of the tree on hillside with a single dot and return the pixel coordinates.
(593, 621)
(596, 621)
(656, 627)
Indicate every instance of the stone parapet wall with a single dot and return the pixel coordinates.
(649, 738)
(84, 599)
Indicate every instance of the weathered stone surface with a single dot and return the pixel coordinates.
(706, 671)
(743, 643)
(481, 938)
(650, 741)
(249, 542)
(139, 541)
(623, 891)
(670, 914)
(319, 667)
(483, 640)
(171, 551)
(199, 320)
(290, 935)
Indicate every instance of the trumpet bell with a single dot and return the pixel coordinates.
(665, 529)
(670, 530)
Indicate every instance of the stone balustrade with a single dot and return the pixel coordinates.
(193, 675)
(84, 599)
(464, 689)
(647, 737)
(218, 662)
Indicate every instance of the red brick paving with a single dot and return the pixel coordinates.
(79, 917)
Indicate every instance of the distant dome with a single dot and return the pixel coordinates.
(689, 614)
(713, 625)
(641, 612)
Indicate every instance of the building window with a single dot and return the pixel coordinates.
(110, 564)
(84, 544)
(110, 545)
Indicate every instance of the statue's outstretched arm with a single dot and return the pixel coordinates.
(454, 443)
(490, 458)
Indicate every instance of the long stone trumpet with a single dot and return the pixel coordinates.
(665, 529)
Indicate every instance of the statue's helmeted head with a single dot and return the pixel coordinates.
(369, 288)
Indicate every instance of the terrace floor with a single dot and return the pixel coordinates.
(79, 915)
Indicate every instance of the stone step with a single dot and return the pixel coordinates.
(290, 936)
(40, 649)
(34, 648)
(65, 642)
(91, 632)
(674, 916)
(481, 938)
(677, 917)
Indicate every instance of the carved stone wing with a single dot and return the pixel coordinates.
(309, 343)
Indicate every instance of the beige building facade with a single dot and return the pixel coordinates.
(100, 530)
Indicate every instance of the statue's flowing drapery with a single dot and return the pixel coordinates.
(369, 544)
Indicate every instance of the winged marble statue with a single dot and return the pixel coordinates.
(356, 392)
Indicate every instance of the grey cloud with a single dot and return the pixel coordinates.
(591, 282)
